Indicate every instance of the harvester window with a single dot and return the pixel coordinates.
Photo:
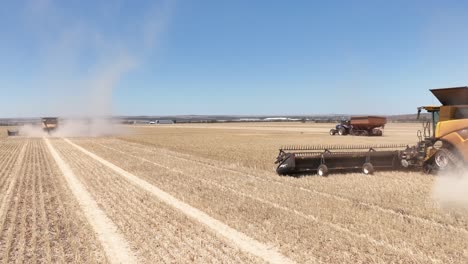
(435, 120)
(461, 112)
(435, 117)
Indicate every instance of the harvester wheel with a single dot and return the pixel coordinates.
(367, 168)
(322, 170)
(332, 132)
(442, 159)
(341, 131)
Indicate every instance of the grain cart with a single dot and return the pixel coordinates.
(12, 133)
(360, 126)
(442, 145)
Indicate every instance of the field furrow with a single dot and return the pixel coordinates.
(9, 153)
(115, 246)
(42, 223)
(11, 205)
(17, 235)
(154, 230)
(32, 218)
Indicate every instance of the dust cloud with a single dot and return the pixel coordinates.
(90, 127)
(83, 62)
(450, 190)
(31, 131)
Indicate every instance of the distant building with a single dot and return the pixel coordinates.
(281, 119)
(276, 119)
(164, 121)
(249, 119)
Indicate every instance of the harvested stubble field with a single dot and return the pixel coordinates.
(209, 194)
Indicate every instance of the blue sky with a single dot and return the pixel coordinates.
(228, 57)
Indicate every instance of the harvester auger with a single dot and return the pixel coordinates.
(442, 146)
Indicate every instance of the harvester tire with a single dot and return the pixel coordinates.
(367, 168)
(322, 170)
(341, 131)
(332, 132)
(442, 159)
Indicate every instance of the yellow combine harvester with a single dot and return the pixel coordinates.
(49, 124)
(441, 146)
(447, 145)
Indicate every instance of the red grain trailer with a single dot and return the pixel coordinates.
(361, 126)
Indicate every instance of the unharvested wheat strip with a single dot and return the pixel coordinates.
(115, 246)
(242, 241)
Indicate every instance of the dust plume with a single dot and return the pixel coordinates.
(31, 131)
(83, 61)
(82, 127)
(450, 189)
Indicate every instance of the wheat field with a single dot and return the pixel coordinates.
(208, 193)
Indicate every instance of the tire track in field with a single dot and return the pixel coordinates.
(373, 206)
(115, 246)
(156, 231)
(239, 239)
(337, 227)
(64, 234)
